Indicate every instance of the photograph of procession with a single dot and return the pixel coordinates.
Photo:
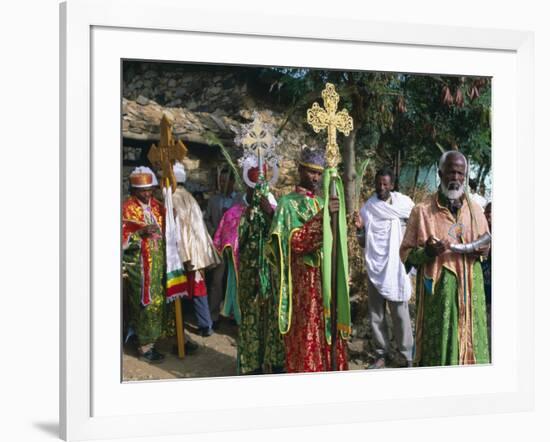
(279, 220)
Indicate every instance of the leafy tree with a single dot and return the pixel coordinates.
(398, 118)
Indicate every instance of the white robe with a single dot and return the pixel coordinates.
(479, 199)
(383, 235)
(196, 244)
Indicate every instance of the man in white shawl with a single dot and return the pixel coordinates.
(196, 250)
(383, 217)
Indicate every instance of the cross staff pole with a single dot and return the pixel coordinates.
(180, 336)
(334, 287)
(163, 157)
(333, 121)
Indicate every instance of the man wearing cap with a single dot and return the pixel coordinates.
(260, 345)
(143, 257)
(294, 249)
(451, 323)
(196, 250)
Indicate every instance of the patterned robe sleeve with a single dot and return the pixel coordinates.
(131, 224)
(309, 237)
(412, 253)
(246, 226)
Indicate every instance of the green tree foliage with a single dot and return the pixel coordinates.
(443, 113)
(399, 119)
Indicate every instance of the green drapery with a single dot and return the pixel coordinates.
(293, 210)
(437, 315)
(156, 320)
(342, 269)
(231, 304)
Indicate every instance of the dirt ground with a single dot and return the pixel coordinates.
(216, 356)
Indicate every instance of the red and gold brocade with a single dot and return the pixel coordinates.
(306, 346)
(134, 218)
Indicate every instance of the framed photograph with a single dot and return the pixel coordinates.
(124, 66)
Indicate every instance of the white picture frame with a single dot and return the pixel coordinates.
(96, 33)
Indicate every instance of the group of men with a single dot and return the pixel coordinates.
(451, 318)
(151, 286)
(268, 255)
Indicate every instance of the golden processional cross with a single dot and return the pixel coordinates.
(163, 157)
(331, 120)
(167, 153)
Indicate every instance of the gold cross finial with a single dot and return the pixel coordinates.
(331, 120)
(167, 153)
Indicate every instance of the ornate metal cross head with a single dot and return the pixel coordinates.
(331, 120)
(167, 153)
(259, 142)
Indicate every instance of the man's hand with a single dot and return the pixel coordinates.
(149, 230)
(265, 205)
(436, 247)
(482, 251)
(333, 204)
(357, 220)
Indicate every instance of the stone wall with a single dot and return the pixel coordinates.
(202, 102)
(197, 88)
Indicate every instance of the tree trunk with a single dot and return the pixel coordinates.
(486, 171)
(350, 174)
(479, 175)
(415, 183)
(397, 170)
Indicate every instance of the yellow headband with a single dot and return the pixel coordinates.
(312, 166)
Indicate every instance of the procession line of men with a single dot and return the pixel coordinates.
(272, 265)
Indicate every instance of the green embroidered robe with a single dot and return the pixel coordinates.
(260, 345)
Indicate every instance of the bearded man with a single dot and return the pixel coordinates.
(295, 250)
(451, 325)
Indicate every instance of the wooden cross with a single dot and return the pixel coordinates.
(167, 153)
(163, 157)
(331, 120)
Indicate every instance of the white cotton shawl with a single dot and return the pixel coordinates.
(383, 235)
(196, 247)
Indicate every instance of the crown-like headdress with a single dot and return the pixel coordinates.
(312, 158)
(142, 177)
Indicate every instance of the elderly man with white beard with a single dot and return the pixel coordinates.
(451, 325)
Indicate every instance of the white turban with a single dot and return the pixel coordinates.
(179, 172)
